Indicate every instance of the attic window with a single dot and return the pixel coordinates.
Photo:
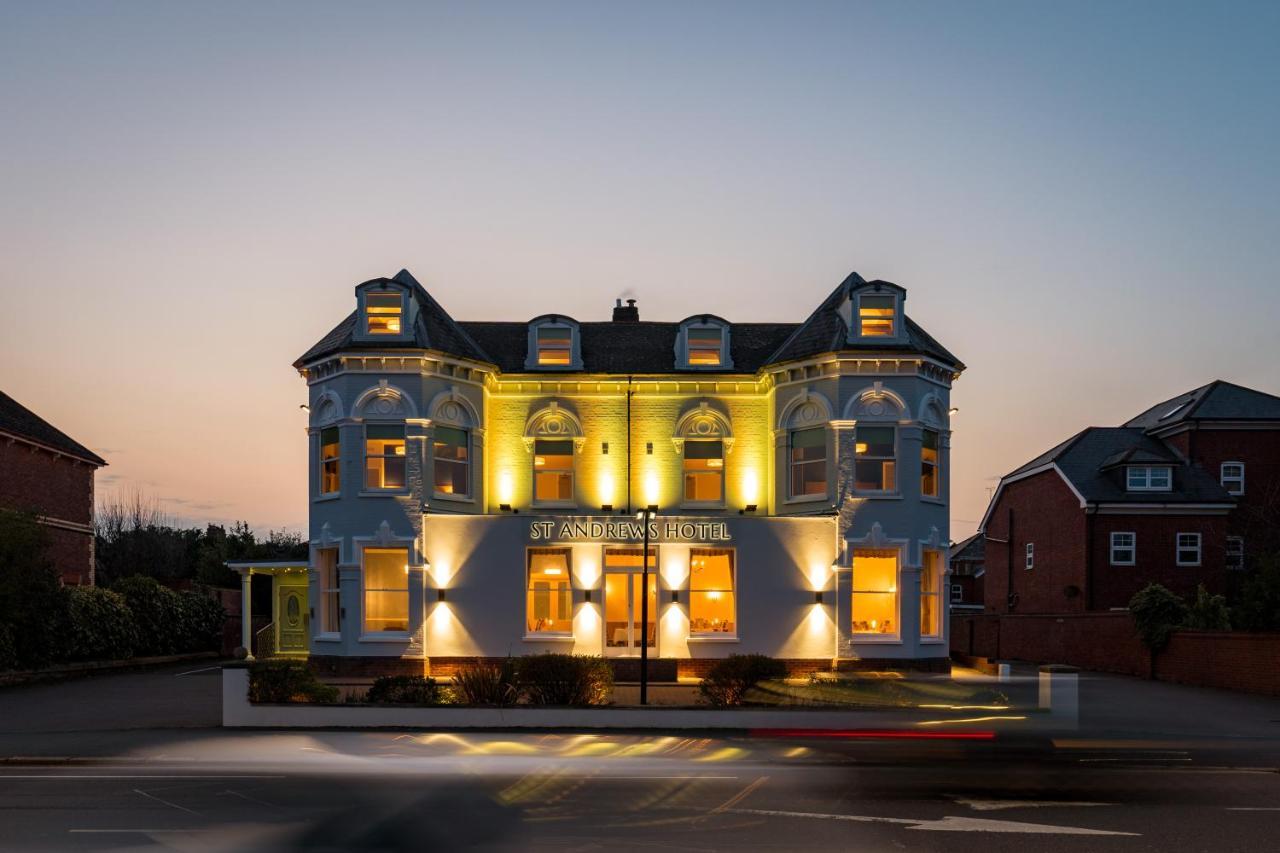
(383, 312)
(876, 316)
(1149, 478)
(555, 346)
(706, 346)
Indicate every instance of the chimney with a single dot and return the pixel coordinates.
(626, 314)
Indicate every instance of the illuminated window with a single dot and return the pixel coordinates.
(876, 315)
(704, 471)
(382, 312)
(1188, 550)
(1235, 553)
(1148, 478)
(874, 603)
(875, 468)
(1030, 560)
(553, 471)
(549, 598)
(930, 598)
(555, 346)
(1232, 477)
(450, 452)
(705, 346)
(329, 462)
(808, 462)
(384, 459)
(711, 599)
(330, 603)
(386, 589)
(929, 463)
(1124, 548)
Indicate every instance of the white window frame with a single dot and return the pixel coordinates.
(957, 593)
(336, 460)
(895, 320)
(366, 332)
(366, 456)
(1179, 548)
(897, 473)
(937, 464)
(792, 464)
(1236, 480)
(528, 588)
(1146, 483)
(940, 572)
(1235, 548)
(1132, 547)
(466, 463)
(703, 323)
(733, 591)
(1030, 560)
(724, 472)
(572, 471)
(365, 589)
(896, 591)
(327, 592)
(533, 359)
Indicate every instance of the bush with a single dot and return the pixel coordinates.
(558, 679)
(157, 610)
(1208, 612)
(1157, 612)
(485, 683)
(1258, 605)
(35, 609)
(405, 690)
(281, 681)
(200, 620)
(102, 625)
(730, 679)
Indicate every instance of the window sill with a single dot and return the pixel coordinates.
(545, 638)
(697, 638)
(879, 496)
(387, 637)
(1188, 565)
(331, 496)
(808, 499)
(554, 505)
(383, 493)
(441, 496)
(328, 638)
(1123, 565)
(703, 505)
(889, 640)
(930, 499)
(931, 641)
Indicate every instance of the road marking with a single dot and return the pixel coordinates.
(196, 671)
(997, 805)
(946, 824)
(134, 831)
(740, 796)
(166, 802)
(123, 776)
(1253, 808)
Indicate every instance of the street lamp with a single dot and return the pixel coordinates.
(644, 517)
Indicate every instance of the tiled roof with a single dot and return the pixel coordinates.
(1219, 400)
(974, 548)
(16, 419)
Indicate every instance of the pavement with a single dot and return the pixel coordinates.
(131, 762)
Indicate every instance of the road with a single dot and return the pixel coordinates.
(145, 787)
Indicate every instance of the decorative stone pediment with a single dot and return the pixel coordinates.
(702, 422)
(385, 402)
(452, 408)
(806, 409)
(554, 421)
(877, 403)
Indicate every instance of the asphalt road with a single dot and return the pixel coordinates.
(149, 787)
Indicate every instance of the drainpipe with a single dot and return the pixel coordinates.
(1089, 531)
(1009, 594)
(628, 445)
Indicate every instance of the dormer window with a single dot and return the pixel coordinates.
(1149, 478)
(383, 312)
(703, 343)
(876, 315)
(553, 344)
(705, 347)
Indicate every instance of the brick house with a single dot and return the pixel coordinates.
(44, 471)
(1171, 497)
(967, 560)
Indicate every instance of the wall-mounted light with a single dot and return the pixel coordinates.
(748, 508)
(953, 410)
(604, 448)
(606, 507)
(817, 597)
(507, 508)
(586, 596)
(675, 596)
(439, 595)
(305, 407)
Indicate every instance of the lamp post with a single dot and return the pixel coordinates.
(644, 516)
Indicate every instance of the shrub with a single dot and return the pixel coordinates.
(558, 679)
(280, 681)
(485, 683)
(200, 620)
(405, 690)
(1156, 612)
(730, 679)
(35, 610)
(157, 610)
(1257, 608)
(1209, 612)
(102, 625)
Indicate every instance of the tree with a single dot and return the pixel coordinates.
(1156, 612)
(1208, 612)
(1258, 608)
(34, 607)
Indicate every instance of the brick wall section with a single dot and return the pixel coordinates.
(1047, 513)
(56, 486)
(1107, 642)
(1156, 560)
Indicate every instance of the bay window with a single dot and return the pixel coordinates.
(553, 471)
(929, 463)
(808, 462)
(875, 465)
(330, 602)
(930, 595)
(330, 451)
(451, 461)
(386, 589)
(549, 592)
(384, 456)
(712, 604)
(704, 471)
(874, 597)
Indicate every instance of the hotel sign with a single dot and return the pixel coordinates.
(588, 529)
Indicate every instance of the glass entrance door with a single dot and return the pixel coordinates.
(623, 604)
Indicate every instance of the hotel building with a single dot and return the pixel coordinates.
(474, 488)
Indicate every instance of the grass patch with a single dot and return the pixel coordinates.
(873, 691)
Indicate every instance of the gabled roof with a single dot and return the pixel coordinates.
(1217, 401)
(974, 548)
(19, 421)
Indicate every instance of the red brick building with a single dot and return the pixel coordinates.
(1183, 494)
(967, 578)
(45, 472)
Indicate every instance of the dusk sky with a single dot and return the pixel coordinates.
(1082, 200)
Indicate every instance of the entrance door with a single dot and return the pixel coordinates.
(623, 604)
(291, 624)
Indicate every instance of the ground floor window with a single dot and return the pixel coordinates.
(327, 569)
(386, 589)
(625, 627)
(712, 604)
(549, 592)
(1124, 545)
(874, 600)
(930, 598)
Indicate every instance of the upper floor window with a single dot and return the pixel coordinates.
(1124, 548)
(704, 471)
(703, 342)
(1188, 550)
(705, 347)
(875, 466)
(553, 471)
(808, 462)
(383, 312)
(451, 461)
(1150, 478)
(555, 346)
(957, 593)
(1232, 477)
(330, 473)
(930, 595)
(929, 463)
(384, 456)
(876, 315)
(1031, 556)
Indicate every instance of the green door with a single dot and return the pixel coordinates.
(292, 620)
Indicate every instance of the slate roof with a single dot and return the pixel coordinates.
(973, 549)
(17, 420)
(1218, 400)
(1087, 460)
(644, 347)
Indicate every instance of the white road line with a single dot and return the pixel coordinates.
(997, 805)
(60, 776)
(950, 823)
(166, 802)
(195, 671)
(1253, 808)
(142, 831)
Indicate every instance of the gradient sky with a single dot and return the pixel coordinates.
(1082, 199)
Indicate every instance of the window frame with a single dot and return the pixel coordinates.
(732, 554)
(1236, 552)
(1029, 560)
(572, 500)
(1223, 479)
(367, 315)
(792, 464)
(859, 457)
(936, 464)
(401, 489)
(465, 462)
(1132, 548)
(722, 472)
(365, 589)
(894, 331)
(896, 592)
(530, 551)
(533, 354)
(1178, 548)
(957, 593)
(1148, 480)
(328, 593)
(326, 461)
(939, 572)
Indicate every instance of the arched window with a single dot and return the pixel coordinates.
(703, 437)
(877, 411)
(805, 420)
(452, 438)
(383, 410)
(554, 436)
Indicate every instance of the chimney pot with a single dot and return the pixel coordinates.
(628, 313)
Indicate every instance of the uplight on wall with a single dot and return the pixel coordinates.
(750, 487)
(651, 488)
(606, 488)
(506, 487)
